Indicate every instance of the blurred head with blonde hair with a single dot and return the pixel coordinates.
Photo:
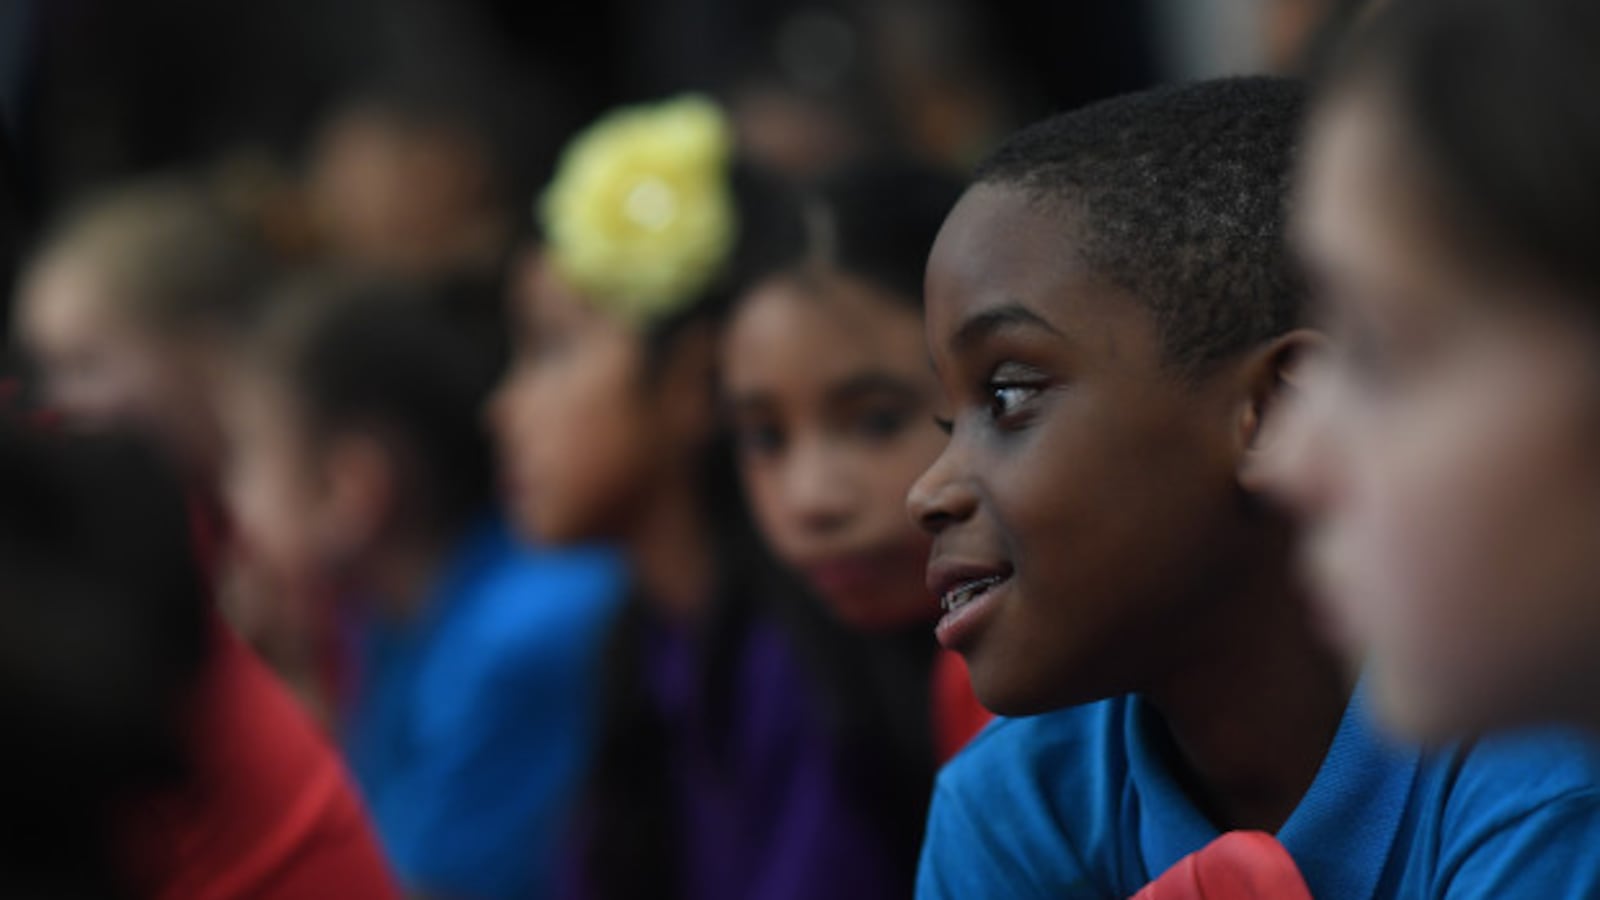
(122, 306)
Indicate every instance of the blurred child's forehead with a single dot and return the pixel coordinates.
(65, 293)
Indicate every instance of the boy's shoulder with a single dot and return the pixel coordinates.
(1033, 807)
(1510, 815)
(1501, 781)
(1057, 765)
(1551, 760)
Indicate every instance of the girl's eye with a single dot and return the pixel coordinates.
(881, 424)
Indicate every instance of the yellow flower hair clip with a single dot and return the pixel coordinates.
(640, 215)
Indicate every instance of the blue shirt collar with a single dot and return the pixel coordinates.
(1340, 834)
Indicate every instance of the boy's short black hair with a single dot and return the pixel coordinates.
(1182, 195)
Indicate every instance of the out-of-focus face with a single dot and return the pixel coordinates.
(394, 198)
(575, 433)
(828, 382)
(1086, 512)
(274, 487)
(1446, 451)
(101, 370)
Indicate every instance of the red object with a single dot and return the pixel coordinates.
(1240, 865)
(268, 810)
(957, 714)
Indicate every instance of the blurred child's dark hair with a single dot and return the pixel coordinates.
(1497, 101)
(412, 366)
(873, 219)
(1179, 196)
(103, 621)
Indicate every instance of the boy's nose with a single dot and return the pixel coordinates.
(941, 497)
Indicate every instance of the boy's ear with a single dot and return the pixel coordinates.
(1275, 377)
(360, 481)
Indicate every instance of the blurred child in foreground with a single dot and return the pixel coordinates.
(1445, 452)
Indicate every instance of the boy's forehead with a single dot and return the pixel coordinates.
(1001, 246)
(1001, 231)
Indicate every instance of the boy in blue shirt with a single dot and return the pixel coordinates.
(1112, 316)
(360, 461)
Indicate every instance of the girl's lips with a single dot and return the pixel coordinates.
(842, 575)
(863, 571)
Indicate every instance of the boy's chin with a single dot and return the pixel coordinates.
(1006, 691)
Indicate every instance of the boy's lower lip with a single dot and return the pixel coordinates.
(959, 628)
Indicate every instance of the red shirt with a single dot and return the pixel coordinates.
(268, 811)
(957, 714)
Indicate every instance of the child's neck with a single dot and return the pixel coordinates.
(1252, 718)
(671, 551)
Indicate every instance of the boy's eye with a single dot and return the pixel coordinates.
(1010, 388)
(1004, 399)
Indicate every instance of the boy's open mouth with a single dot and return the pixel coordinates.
(969, 591)
(965, 592)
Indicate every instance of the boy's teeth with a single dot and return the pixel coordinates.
(964, 593)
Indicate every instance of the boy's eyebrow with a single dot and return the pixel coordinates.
(999, 318)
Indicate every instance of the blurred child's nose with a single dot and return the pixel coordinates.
(941, 497)
(817, 487)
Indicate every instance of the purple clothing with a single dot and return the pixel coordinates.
(781, 820)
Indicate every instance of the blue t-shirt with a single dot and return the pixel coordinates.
(472, 724)
(1079, 804)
